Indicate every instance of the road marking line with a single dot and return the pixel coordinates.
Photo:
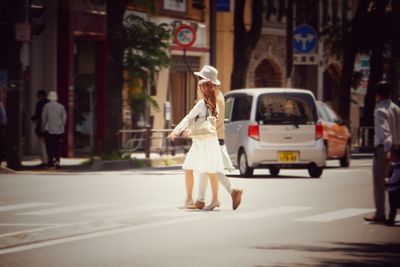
(128, 210)
(267, 213)
(94, 235)
(24, 206)
(72, 208)
(335, 215)
(28, 224)
(343, 170)
(179, 213)
(50, 226)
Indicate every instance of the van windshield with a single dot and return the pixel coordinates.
(286, 108)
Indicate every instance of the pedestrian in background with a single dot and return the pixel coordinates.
(37, 118)
(204, 155)
(393, 184)
(3, 123)
(211, 73)
(387, 133)
(54, 119)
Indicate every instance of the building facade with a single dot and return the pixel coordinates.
(268, 63)
(68, 54)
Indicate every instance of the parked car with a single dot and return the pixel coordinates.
(336, 135)
(273, 128)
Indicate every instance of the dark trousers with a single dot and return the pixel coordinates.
(380, 170)
(2, 143)
(394, 201)
(53, 148)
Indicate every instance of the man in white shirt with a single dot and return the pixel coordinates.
(54, 119)
(387, 133)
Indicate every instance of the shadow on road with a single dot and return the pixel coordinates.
(266, 176)
(343, 254)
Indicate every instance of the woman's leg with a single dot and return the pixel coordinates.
(189, 180)
(214, 189)
(203, 181)
(214, 186)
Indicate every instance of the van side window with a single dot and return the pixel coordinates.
(241, 108)
(228, 109)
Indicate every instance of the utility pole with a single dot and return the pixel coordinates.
(320, 49)
(213, 33)
(10, 55)
(289, 44)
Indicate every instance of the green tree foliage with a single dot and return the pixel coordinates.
(146, 54)
(117, 42)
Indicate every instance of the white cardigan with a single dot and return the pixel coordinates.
(199, 109)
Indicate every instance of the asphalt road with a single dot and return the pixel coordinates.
(133, 218)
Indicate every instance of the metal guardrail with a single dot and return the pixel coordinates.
(152, 140)
(155, 140)
(362, 137)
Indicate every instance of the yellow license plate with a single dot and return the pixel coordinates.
(288, 156)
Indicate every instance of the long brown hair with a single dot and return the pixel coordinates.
(208, 90)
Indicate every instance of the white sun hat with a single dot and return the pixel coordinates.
(52, 95)
(210, 73)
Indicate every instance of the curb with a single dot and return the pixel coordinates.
(134, 163)
(166, 162)
(4, 170)
(170, 162)
(362, 156)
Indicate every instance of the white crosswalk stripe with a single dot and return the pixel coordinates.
(258, 214)
(129, 210)
(24, 206)
(115, 210)
(335, 215)
(67, 209)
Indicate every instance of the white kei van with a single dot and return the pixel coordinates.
(274, 128)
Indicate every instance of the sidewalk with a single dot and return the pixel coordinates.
(83, 164)
(138, 160)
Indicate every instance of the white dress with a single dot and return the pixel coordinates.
(205, 153)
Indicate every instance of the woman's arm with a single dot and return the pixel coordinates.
(198, 109)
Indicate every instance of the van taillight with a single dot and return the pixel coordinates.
(253, 131)
(319, 131)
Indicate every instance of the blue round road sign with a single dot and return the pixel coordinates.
(304, 39)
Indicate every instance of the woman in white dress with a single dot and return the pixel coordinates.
(204, 155)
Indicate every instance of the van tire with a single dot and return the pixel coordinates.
(345, 161)
(244, 169)
(314, 171)
(274, 171)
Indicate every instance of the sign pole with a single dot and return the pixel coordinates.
(185, 36)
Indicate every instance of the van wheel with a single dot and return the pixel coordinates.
(274, 171)
(345, 161)
(314, 171)
(244, 169)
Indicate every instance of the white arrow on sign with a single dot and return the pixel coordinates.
(299, 38)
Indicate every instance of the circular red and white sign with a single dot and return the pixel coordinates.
(185, 36)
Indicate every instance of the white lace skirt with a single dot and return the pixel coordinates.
(204, 156)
